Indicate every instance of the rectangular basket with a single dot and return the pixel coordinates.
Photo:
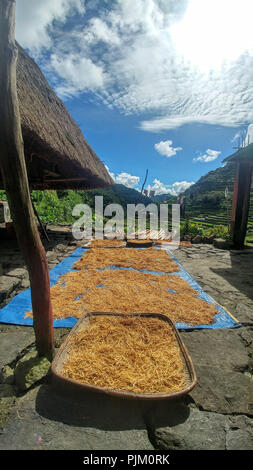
(62, 382)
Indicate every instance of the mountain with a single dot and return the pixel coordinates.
(117, 194)
(164, 199)
(208, 193)
(216, 180)
(207, 204)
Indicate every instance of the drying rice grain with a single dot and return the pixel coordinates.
(134, 354)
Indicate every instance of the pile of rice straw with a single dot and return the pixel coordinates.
(127, 291)
(139, 355)
(150, 259)
(107, 243)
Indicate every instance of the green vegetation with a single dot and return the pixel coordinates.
(219, 231)
(207, 205)
(3, 196)
(191, 229)
(207, 209)
(164, 199)
(56, 206)
(117, 194)
(206, 198)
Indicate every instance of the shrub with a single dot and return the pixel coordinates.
(190, 228)
(56, 210)
(3, 196)
(220, 231)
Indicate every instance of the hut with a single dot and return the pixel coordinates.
(37, 132)
(56, 152)
(243, 159)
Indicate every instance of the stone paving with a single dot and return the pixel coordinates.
(217, 414)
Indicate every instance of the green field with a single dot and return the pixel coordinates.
(208, 218)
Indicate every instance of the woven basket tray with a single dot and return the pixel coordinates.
(62, 382)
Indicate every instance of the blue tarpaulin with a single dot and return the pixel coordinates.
(223, 319)
(16, 309)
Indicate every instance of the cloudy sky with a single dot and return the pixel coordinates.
(160, 84)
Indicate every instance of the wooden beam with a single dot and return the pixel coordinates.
(62, 180)
(14, 175)
(241, 200)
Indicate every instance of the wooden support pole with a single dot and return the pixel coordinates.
(241, 199)
(144, 182)
(234, 202)
(14, 175)
(41, 224)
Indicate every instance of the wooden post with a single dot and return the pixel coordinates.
(14, 175)
(234, 202)
(241, 198)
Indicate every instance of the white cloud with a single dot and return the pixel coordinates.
(125, 53)
(160, 188)
(209, 156)
(249, 136)
(130, 181)
(80, 73)
(236, 137)
(172, 189)
(110, 173)
(243, 137)
(98, 30)
(181, 186)
(34, 20)
(169, 123)
(165, 148)
(206, 49)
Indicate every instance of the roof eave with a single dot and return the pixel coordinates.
(244, 153)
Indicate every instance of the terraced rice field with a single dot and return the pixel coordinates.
(209, 218)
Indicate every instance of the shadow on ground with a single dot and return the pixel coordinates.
(11, 256)
(101, 411)
(240, 275)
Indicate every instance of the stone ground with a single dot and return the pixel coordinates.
(217, 414)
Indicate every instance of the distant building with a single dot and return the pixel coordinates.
(148, 192)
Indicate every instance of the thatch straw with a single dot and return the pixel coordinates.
(57, 155)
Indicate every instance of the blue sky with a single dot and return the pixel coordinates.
(158, 84)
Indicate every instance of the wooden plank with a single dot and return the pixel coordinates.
(234, 203)
(14, 175)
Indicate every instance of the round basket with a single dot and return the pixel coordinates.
(139, 243)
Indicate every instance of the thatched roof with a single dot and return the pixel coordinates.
(242, 154)
(57, 154)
